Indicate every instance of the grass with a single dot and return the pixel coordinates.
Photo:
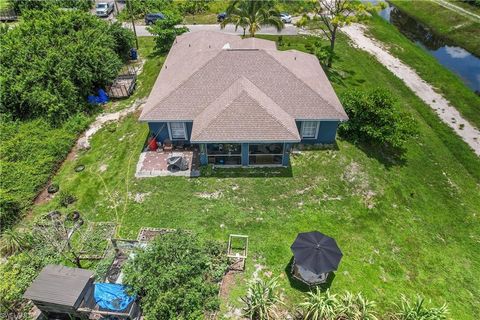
(146, 79)
(202, 18)
(444, 22)
(408, 228)
(445, 81)
(465, 5)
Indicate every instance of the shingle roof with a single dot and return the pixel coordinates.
(244, 113)
(202, 66)
(59, 285)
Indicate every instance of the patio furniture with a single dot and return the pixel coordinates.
(176, 161)
(167, 145)
(315, 256)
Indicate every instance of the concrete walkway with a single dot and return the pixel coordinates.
(442, 107)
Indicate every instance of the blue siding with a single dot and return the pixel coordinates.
(326, 133)
(244, 154)
(160, 130)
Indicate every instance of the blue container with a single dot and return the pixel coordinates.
(133, 54)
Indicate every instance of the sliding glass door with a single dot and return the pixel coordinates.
(265, 154)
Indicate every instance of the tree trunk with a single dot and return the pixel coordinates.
(244, 30)
(332, 47)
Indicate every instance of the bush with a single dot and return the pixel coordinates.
(16, 274)
(166, 31)
(53, 59)
(416, 310)
(23, 5)
(262, 300)
(65, 198)
(175, 276)
(320, 305)
(29, 153)
(138, 8)
(375, 118)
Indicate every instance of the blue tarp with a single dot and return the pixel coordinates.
(100, 99)
(111, 296)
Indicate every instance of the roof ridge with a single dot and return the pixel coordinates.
(182, 83)
(268, 110)
(293, 74)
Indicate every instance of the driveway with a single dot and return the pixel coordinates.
(230, 29)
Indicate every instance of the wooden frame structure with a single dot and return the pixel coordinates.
(237, 257)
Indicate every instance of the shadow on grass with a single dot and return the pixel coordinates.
(272, 172)
(303, 287)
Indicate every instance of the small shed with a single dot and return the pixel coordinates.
(59, 289)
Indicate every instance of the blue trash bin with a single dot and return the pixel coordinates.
(133, 54)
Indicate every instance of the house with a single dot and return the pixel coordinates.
(241, 101)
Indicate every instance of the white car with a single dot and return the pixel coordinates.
(103, 9)
(285, 17)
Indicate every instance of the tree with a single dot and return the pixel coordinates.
(54, 59)
(334, 14)
(374, 117)
(195, 6)
(176, 276)
(253, 15)
(23, 5)
(166, 31)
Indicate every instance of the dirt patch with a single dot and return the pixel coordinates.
(359, 183)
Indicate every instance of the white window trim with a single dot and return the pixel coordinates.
(184, 132)
(316, 131)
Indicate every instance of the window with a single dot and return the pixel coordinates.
(309, 129)
(225, 154)
(178, 131)
(265, 154)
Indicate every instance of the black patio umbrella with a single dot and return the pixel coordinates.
(316, 252)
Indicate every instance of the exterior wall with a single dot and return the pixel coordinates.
(245, 152)
(160, 131)
(326, 133)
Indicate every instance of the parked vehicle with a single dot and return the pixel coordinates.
(285, 17)
(221, 16)
(103, 9)
(151, 18)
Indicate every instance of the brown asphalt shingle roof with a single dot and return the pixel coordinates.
(202, 66)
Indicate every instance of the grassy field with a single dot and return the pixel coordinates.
(405, 227)
(444, 22)
(447, 83)
(466, 6)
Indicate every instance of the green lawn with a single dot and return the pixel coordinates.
(404, 228)
(447, 83)
(453, 26)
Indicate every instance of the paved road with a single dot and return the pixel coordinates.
(230, 29)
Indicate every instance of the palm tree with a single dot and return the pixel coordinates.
(252, 14)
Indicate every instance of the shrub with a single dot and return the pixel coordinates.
(29, 153)
(262, 300)
(166, 31)
(174, 276)
(375, 118)
(23, 5)
(65, 198)
(138, 8)
(54, 59)
(356, 307)
(14, 241)
(416, 310)
(320, 305)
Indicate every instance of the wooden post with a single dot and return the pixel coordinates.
(129, 5)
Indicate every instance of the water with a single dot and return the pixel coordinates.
(456, 59)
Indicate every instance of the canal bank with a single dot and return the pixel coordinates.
(455, 45)
(445, 82)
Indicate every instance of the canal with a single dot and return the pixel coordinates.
(460, 61)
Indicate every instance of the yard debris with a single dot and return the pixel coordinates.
(103, 167)
(140, 197)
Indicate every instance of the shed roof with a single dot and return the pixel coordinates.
(203, 66)
(59, 285)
